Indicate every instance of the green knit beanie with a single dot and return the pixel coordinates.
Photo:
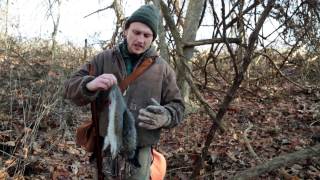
(148, 15)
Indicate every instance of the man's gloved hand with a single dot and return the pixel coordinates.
(154, 117)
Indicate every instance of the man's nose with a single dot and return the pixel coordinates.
(140, 38)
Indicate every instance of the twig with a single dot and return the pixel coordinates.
(25, 62)
(174, 169)
(212, 41)
(281, 171)
(99, 10)
(245, 134)
(314, 122)
(7, 153)
(6, 132)
(281, 74)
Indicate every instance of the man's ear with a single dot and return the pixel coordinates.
(125, 33)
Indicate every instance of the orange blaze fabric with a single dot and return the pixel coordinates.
(158, 166)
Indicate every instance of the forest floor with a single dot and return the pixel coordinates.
(37, 130)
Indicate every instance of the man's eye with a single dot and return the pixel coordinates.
(147, 35)
(136, 32)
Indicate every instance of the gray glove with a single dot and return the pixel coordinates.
(154, 116)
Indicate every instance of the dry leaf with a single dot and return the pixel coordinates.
(235, 136)
(36, 148)
(18, 177)
(3, 174)
(70, 142)
(53, 74)
(73, 150)
(9, 143)
(25, 152)
(9, 162)
(213, 157)
(60, 174)
(75, 167)
(231, 156)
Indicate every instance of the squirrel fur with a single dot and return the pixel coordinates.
(121, 131)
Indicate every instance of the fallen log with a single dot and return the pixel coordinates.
(278, 162)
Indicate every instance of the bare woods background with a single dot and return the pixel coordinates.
(252, 93)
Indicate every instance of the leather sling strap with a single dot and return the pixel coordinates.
(96, 127)
(147, 62)
(136, 73)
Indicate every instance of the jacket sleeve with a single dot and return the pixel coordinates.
(75, 87)
(171, 98)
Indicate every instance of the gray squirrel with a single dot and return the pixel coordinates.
(121, 132)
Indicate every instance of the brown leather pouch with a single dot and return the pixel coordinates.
(85, 136)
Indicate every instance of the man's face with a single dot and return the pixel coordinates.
(139, 37)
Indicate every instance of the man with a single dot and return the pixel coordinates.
(158, 82)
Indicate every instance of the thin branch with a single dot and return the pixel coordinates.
(199, 96)
(203, 12)
(247, 142)
(179, 14)
(233, 58)
(169, 20)
(99, 10)
(256, 2)
(211, 41)
(25, 62)
(280, 72)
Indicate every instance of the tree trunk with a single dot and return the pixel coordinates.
(163, 46)
(55, 21)
(278, 162)
(85, 53)
(191, 25)
(184, 53)
(6, 30)
(118, 9)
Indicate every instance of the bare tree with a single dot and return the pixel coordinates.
(118, 9)
(54, 13)
(185, 43)
(163, 45)
(238, 78)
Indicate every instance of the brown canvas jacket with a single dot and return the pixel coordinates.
(158, 82)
